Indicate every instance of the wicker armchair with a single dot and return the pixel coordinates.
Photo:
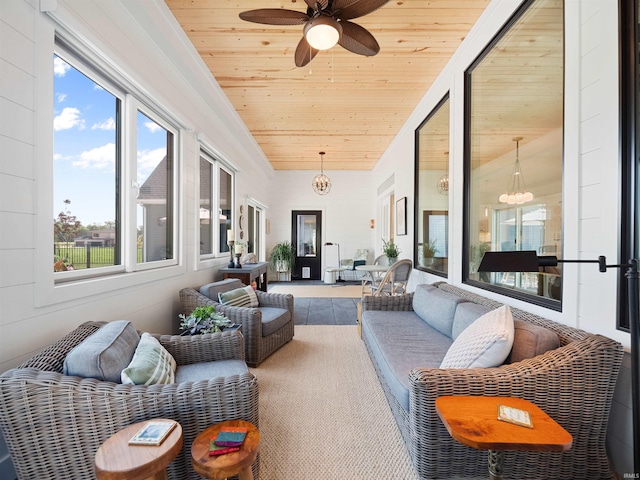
(573, 384)
(53, 424)
(259, 343)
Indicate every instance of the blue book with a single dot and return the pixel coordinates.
(231, 436)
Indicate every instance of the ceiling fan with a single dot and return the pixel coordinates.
(326, 23)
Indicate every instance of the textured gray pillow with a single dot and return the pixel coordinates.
(104, 354)
(212, 290)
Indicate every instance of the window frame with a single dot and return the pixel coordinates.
(76, 285)
(216, 166)
(416, 211)
(545, 302)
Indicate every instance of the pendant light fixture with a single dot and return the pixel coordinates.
(321, 183)
(517, 192)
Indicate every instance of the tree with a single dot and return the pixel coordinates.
(65, 227)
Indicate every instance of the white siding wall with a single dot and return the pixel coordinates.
(591, 212)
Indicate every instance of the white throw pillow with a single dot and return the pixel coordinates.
(151, 364)
(483, 344)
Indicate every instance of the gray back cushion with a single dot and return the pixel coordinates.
(466, 314)
(436, 307)
(530, 341)
(104, 354)
(212, 290)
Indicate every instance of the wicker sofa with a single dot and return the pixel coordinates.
(265, 328)
(573, 383)
(54, 423)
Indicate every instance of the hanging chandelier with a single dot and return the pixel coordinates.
(321, 183)
(443, 184)
(516, 190)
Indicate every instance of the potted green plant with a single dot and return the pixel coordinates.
(391, 250)
(429, 251)
(203, 319)
(283, 258)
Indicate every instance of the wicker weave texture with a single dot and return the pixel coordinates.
(76, 415)
(574, 384)
(257, 346)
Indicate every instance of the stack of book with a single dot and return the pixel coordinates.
(229, 439)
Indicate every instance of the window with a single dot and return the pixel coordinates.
(513, 151)
(214, 227)
(432, 191)
(114, 179)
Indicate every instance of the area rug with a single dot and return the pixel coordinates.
(323, 414)
(318, 291)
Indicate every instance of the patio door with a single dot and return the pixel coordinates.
(306, 235)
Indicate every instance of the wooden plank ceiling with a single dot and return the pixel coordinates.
(347, 105)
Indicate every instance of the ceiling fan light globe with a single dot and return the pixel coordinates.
(322, 32)
(503, 198)
(528, 196)
(511, 199)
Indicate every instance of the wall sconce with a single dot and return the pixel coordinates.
(372, 224)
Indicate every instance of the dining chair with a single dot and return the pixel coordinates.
(395, 280)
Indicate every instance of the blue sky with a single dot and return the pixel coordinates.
(84, 146)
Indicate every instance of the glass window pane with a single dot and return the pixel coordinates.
(306, 236)
(514, 162)
(85, 165)
(206, 207)
(225, 199)
(154, 170)
(432, 191)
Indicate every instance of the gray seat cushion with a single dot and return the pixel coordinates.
(104, 354)
(273, 319)
(400, 342)
(208, 370)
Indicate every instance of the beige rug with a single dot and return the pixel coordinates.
(317, 291)
(323, 414)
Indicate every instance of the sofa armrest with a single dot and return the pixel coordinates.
(573, 384)
(395, 303)
(209, 347)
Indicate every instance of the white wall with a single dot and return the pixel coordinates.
(346, 210)
(591, 212)
(126, 33)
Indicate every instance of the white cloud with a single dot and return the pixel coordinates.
(60, 67)
(69, 118)
(100, 157)
(148, 160)
(108, 124)
(57, 156)
(153, 127)
(61, 97)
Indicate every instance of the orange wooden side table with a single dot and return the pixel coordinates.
(473, 421)
(117, 460)
(222, 466)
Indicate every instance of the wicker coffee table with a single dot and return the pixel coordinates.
(222, 466)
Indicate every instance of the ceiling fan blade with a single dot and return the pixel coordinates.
(275, 16)
(312, 4)
(304, 53)
(358, 40)
(348, 9)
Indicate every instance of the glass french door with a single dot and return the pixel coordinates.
(306, 235)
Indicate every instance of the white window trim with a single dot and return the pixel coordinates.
(46, 291)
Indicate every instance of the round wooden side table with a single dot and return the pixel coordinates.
(117, 460)
(218, 467)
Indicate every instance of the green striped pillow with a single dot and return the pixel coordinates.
(240, 297)
(151, 364)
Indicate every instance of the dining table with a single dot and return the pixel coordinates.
(373, 273)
